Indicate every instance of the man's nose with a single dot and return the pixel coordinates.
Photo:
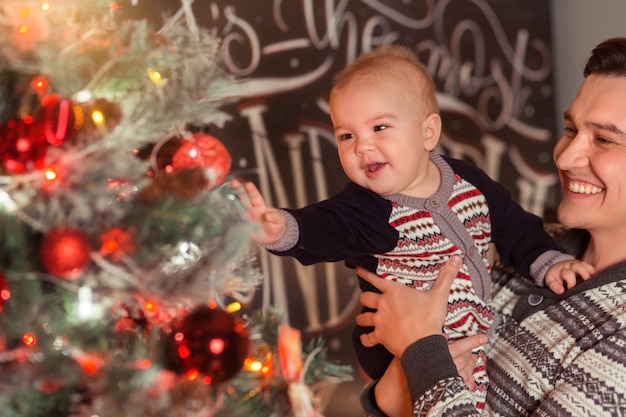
(574, 153)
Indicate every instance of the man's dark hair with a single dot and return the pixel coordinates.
(608, 58)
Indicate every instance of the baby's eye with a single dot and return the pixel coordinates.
(378, 128)
(346, 136)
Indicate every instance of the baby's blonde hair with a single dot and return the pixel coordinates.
(392, 60)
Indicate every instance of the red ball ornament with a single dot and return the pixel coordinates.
(65, 253)
(210, 341)
(163, 155)
(202, 150)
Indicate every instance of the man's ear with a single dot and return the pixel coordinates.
(432, 131)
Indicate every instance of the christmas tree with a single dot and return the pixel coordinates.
(124, 253)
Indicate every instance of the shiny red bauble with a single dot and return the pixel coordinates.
(208, 341)
(65, 253)
(202, 150)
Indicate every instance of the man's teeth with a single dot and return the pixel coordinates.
(579, 188)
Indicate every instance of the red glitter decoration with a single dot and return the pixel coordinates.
(65, 253)
(24, 142)
(40, 85)
(117, 243)
(210, 341)
(22, 146)
(202, 150)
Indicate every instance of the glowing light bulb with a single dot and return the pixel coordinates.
(155, 77)
(256, 366)
(98, 117)
(233, 307)
(83, 96)
(40, 84)
(150, 306)
(29, 339)
(50, 174)
(85, 303)
(192, 374)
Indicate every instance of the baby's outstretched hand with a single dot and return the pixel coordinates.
(270, 219)
(566, 272)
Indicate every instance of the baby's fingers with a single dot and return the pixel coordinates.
(239, 187)
(569, 278)
(256, 199)
(583, 269)
(555, 286)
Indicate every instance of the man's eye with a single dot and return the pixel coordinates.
(604, 140)
(380, 127)
(569, 132)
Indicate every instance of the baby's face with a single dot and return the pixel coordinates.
(382, 139)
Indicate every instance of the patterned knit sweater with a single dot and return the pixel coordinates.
(408, 239)
(549, 355)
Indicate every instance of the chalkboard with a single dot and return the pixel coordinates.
(492, 64)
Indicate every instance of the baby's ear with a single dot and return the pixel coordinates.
(432, 131)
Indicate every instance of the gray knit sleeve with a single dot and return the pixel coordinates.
(289, 239)
(545, 261)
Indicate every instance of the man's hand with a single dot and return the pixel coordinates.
(403, 314)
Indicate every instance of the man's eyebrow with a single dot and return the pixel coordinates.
(609, 127)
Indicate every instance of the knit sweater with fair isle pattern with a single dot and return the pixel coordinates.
(408, 239)
(549, 355)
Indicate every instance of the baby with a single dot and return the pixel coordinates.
(407, 209)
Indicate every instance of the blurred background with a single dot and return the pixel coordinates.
(505, 72)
